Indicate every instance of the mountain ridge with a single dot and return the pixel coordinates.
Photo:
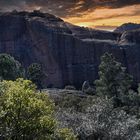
(127, 27)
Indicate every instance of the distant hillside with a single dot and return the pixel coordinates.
(127, 27)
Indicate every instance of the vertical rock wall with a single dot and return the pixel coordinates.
(67, 56)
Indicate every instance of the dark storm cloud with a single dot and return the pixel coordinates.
(58, 7)
(122, 3)
(64, 8)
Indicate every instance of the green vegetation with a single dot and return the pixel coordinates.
(27, 114)
(111, 113)
(108, 111)
(35, 74)
(10, 69)
(100, 120)
(113, 79)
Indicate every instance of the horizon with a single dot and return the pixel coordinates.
(103, 27)
(98, 14)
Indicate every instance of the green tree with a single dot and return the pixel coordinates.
(26, 114)
(113, 79)
(10, 69)
(65, 134)
(35, 74)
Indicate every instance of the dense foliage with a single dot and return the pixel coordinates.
(26, 114)
(111, 112)
(35, 74)
(100, 120)
(10, 69)
(113, 79)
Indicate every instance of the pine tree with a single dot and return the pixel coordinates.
(113, 79)
(35, 74)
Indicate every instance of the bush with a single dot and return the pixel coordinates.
(35, 74)
(70, 87)
(66, 134)
(25, 113)
(71, 101)
(10, 69)
(90, 91)
(100, 121)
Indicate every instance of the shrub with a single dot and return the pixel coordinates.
(35, 74)
(66, 134)
(25, 113)
(10, 69)
(70, 87)
(90, 91)
(100, 121)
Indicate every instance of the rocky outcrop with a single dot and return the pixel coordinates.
(130, 37)
(69, 54)
(127, 27)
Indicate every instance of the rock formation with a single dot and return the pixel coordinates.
(69, 54)
(127, 27)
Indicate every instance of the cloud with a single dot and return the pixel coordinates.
(57, 7)
(105, 16)
(64, 8)
(81, 12)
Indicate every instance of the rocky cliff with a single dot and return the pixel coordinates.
(127, 27)
(69, 54)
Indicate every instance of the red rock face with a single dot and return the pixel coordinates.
(69, 54)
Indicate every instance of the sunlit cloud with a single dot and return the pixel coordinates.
(107, 17)
(89, 13)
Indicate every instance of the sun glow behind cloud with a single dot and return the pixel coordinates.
(89, 13)
(107, 17)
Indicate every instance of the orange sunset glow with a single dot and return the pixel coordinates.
(108, 18)
(102, 14)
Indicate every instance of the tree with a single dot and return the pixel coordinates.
(26, 114)
(35, 74)
(10, 69)
(113, 79)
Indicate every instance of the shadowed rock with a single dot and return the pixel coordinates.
(127, 27)
(69, 54)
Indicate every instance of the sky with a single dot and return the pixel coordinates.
(102, 14)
